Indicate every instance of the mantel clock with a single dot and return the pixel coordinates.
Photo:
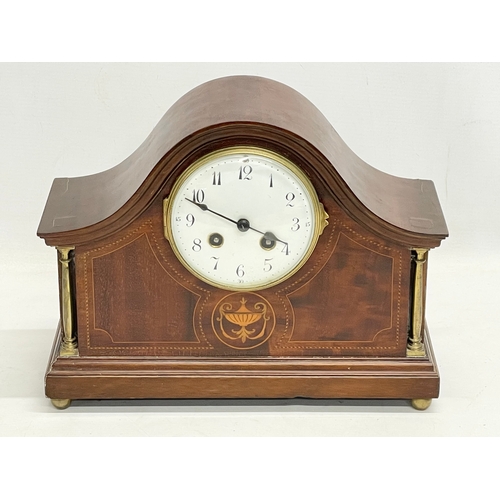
(243, 251)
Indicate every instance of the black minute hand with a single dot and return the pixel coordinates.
(242, 224)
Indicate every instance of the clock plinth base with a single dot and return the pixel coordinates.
(127, 377)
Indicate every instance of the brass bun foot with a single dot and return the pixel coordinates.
(421, 404)
(61, 404)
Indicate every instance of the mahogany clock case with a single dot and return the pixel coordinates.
(135, 323)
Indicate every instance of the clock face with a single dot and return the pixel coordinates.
(243, 218)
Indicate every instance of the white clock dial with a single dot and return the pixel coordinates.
(243, 219)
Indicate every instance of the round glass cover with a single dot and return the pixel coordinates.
(243, 218)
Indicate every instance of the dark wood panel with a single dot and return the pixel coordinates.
(136, 300)
(359, 304)
(127, 300)
(350, 298)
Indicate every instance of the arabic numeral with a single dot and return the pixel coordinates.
(216, 262)
(296, 225)
(289, 198)
(190, 220)
(267, 265)
(245, 171)
(198, 195)
(216, 179)
(196, 245)
(286, 250)
(240, 271)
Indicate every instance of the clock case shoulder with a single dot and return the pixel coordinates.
(242, 110)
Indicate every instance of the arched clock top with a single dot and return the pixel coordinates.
(242, 110)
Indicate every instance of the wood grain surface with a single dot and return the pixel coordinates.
(148, 328)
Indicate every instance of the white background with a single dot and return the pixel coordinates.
(433, 121)
(437, 121)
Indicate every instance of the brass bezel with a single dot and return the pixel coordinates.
(320, 215)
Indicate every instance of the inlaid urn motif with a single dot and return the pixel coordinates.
(243, 321)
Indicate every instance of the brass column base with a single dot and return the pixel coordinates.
(421, 404)
(61, 404)
(416, 350)
(68, 349)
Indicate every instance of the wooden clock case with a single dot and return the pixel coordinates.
(135, 323)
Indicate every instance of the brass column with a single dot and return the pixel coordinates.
(69, 345)
(415, 345)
